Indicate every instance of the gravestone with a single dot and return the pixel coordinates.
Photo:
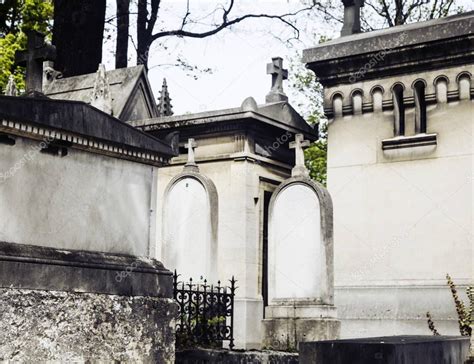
(300, 248)
(387, 350)
(37, 52)
(190, 222)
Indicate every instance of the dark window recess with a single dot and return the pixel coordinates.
(57, 148)
(398, 110)
(266, 204)
(420, 108)
(6, 139)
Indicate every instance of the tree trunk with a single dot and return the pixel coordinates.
(143, 38)
(123, 22)
(78, 35)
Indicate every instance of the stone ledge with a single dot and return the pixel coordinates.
(42, 268)
(419, 140)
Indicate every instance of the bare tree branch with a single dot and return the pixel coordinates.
(226, 23)
(185, 17)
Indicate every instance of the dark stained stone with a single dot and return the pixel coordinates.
(402, 49)
(387, 350)
(80, 118)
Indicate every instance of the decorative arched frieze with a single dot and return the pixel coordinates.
(398, 108)
(419, 91)
(441, 83)
(463, 80)
(357, 96)
(337, 100)
(377, 92)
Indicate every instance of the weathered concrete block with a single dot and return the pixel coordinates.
(73, 306)
(387, 350)
(79, 327)
(287, 333)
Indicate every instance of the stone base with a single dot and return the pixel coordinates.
(387, 350)
(77, 306)
(287, 333)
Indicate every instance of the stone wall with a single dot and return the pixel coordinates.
(76, 327)
(201, 356)
(81, 201)
(78, 306)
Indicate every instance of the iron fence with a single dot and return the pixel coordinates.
(206, 313)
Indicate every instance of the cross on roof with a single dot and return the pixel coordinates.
(279, 74)
(191, 163)
(37, 52)
(351, 23)
(11, 89)
(298, 145)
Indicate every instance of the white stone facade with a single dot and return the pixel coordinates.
(403, 217)
(80, 201)
(241, 181)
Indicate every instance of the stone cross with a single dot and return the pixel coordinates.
(351, 17)
(279, 74)
(37, 52)
(298, 145)
(11, 89)
(191, 163)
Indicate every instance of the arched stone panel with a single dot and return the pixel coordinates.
(190, 226)
(301, 243)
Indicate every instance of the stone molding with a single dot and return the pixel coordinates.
(387, 103)
(443, 42)
(83, 143)
(44, 268)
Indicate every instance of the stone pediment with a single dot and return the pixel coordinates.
(132, 96)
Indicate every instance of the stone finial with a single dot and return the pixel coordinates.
(164, 103)
(191, 163)
(37, 52)
(11, 89)
(279, 74)
(49, 74)
(249, 104)
(351, 17)
(299, 170)
(101, 97)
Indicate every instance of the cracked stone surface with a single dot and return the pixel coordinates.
(62, 326)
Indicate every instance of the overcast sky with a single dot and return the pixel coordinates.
(237, 57)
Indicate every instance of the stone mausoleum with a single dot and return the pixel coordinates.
(104, 192)
(213, 208)
(399, 104)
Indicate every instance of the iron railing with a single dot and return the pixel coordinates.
(206, 313)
